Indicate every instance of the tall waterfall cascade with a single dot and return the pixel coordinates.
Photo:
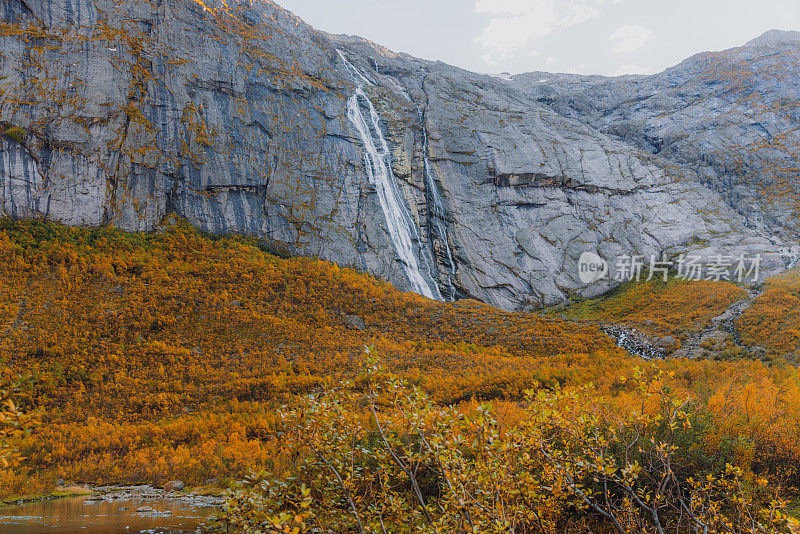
(377, 163)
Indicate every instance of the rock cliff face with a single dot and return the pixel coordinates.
(731, 117)
(242, 118)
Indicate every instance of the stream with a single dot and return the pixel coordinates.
(120, 511)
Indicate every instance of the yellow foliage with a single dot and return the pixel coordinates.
(166, 355)
(673, 308)
(773, 320)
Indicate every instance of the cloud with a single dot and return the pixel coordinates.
(624, 70)
(575, 69)
(630, 38)
(516, 24)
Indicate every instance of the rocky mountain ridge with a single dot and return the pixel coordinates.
(731, 117)
(242, 118)
(775, 37)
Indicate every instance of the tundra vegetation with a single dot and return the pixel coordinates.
(177, 355)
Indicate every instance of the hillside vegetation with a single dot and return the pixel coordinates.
(773, 320)
(658, 308)
(163, 355)
(170, 355)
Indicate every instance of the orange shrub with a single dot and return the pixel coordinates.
(165, 355)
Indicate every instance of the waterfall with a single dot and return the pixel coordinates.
(377, 163)
(437, 216)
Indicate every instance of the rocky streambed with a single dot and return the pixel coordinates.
(113, 510)
(712, 336)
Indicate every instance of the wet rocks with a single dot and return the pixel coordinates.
(174, 485)
(141, 495)
(635, 342)
(667, 342)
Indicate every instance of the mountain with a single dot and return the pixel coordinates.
(775, 37)
(730, 117)
(243, 119)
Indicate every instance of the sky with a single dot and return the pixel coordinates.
(607, 37)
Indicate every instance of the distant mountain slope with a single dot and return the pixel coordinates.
(243, 119)
(730, 116)
(775, 37)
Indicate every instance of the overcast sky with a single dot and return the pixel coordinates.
(584, 36)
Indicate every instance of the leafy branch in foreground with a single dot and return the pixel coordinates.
(377, 455)
(14, 422)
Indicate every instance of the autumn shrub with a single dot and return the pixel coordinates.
(377, 455)
(166, 355)
(161, 355)
(7, 131)
(18, 417)
(772, 322)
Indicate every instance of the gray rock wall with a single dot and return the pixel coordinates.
(236, 119)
